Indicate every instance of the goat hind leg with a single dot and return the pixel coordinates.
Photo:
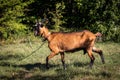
(100, 52)
(84, 50)
(62, 60)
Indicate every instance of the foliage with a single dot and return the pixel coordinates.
(75, 15)
(57, 15)
(11, 17)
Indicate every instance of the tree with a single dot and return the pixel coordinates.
(11, 17)
(95, 15)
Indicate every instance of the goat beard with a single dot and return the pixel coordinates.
(44, 39)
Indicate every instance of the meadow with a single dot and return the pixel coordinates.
(33, 66)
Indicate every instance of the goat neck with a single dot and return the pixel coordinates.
(46, 34)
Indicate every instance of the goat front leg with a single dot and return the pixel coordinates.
(91, 57)
(48, 58)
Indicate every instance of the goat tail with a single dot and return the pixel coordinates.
(98, 34)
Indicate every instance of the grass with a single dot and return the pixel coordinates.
(33, 67)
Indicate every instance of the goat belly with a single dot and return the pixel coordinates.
(69, 46)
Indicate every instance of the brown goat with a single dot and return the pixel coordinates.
(60, 42)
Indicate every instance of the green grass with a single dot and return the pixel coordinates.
(33, 67)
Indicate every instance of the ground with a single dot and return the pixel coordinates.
(33, 67)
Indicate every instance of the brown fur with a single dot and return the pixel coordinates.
(60, 42)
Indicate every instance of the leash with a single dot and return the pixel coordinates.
(32, 52)
(11, 65)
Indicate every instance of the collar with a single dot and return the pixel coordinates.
(45, 38)
(48, 34)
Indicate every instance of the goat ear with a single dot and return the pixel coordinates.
(40, 24)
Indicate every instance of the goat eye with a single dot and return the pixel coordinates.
(41, 25)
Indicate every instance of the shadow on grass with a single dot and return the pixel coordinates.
(60, 74)
(104, 74)
(41, 66)
(9, 59)
(9, 56)
(70, 74)
(28, 70)
(80, 64)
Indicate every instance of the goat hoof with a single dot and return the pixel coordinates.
(103, 62)
(64, 68)
(47, 67)
(90, 66)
